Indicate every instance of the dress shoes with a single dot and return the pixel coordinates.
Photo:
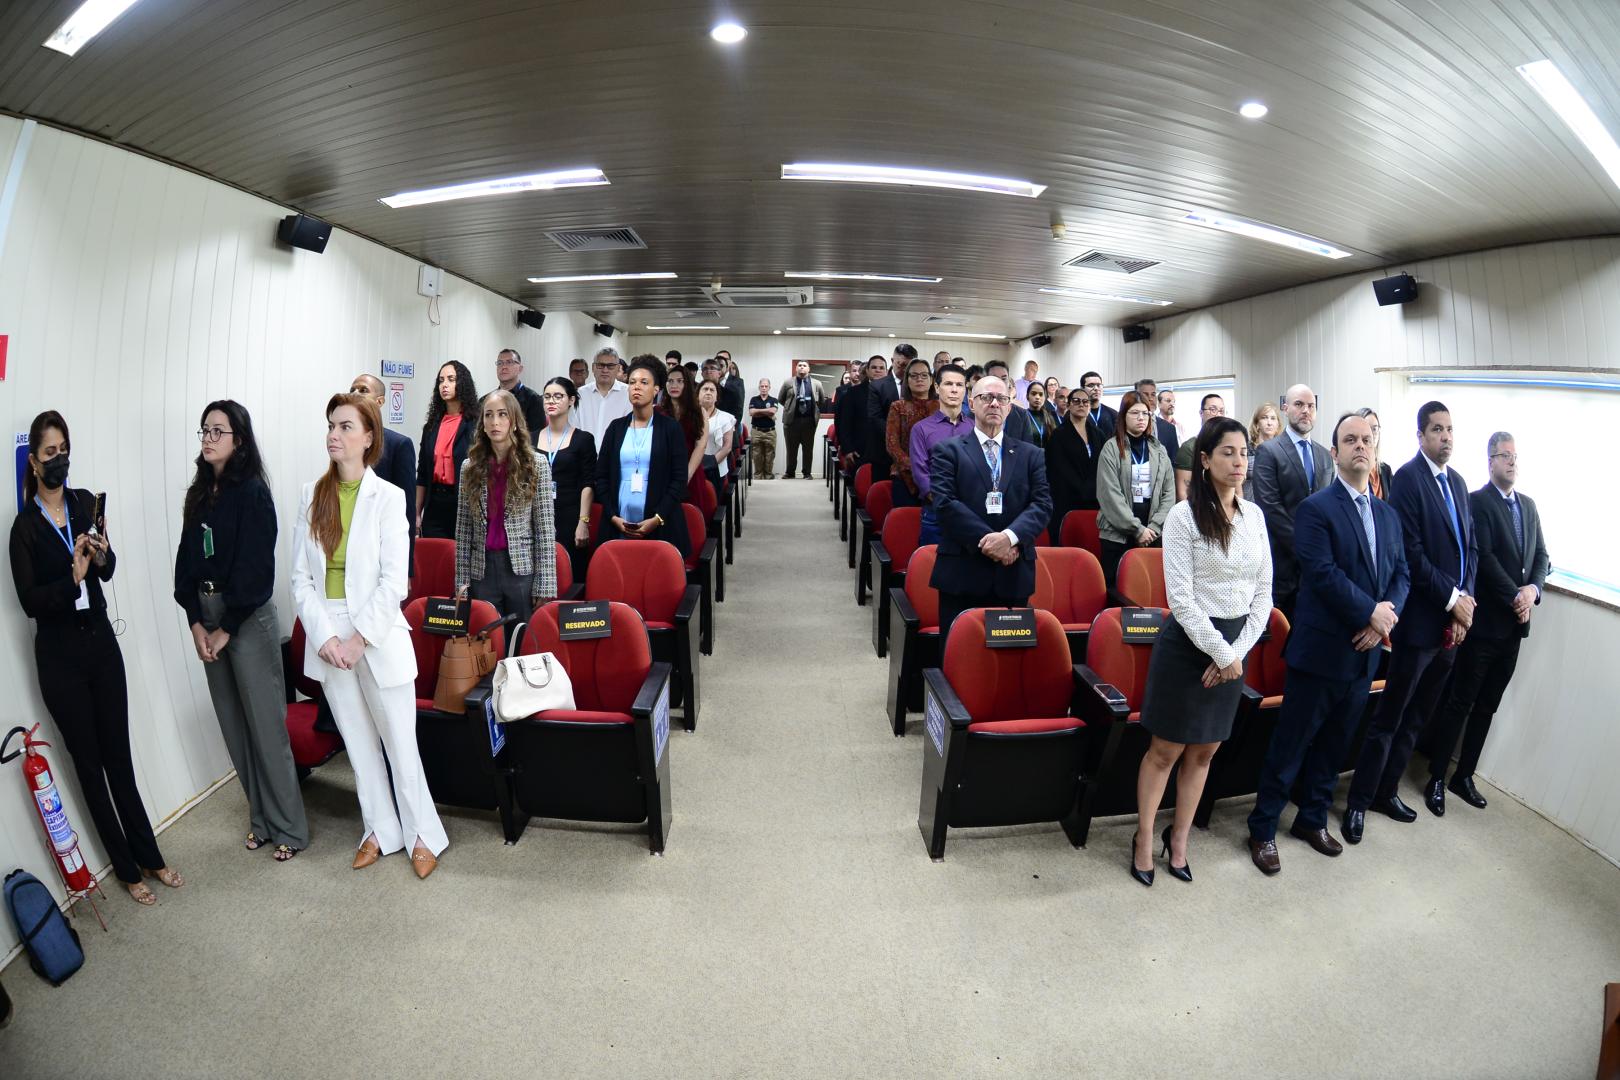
(368, 854)
(1393, 807)
(423, 862)
(1319, 838)
(1264, 854)
(1354, 821)
(1434, 797)
(1465, 790)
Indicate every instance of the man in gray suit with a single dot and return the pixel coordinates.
(1287, 470)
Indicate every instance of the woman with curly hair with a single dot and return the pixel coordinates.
(506, 549)
(445, 439)
(679, 402)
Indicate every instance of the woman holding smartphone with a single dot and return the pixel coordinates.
(224, 576)
(59, 558)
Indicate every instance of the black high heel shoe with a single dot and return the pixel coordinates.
(1184, 871)
(1144, 876)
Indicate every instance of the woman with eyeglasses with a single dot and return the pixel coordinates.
(224, 579)
(571, 454)
(446, 437)
(641, 469)
(920, 402)
(1382, 476)
(720, 427)
(1136, 485)
(59, 558)
(1072, 450)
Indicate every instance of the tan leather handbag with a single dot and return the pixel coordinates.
(465, 661)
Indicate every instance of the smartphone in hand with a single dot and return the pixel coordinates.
(98, 520)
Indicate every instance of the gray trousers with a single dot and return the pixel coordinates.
(510, 593)
(250, 699)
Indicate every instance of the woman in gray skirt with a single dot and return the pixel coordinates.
(224, 574)
(1217, 576)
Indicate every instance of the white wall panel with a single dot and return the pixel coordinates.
(133, 294)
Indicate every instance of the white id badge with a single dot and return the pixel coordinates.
(1141, 482)
(637, 484)
(83, 602)
(992, 503)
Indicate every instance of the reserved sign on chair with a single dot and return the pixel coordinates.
(1009, 628)
(442, 615)
(580, 622)
(1141, 626)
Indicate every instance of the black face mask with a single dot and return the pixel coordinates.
(53, 474)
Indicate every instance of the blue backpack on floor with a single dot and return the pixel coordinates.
(53, 946)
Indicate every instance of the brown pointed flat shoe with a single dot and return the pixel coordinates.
(423, 862)
(369, 853)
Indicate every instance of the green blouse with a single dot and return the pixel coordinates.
(348, 491)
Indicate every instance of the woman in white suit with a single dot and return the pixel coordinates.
(350, 546)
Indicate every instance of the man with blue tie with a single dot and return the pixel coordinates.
(1287, 470)
(1438, 528)
(991, 500)
(1353, 585)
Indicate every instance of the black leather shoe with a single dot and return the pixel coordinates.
(1320, 839)
(1393, 807)
(1144, 876)
(1354, 821)
(1182, 872)
(1465, 790)
(1434, 797)
(1264, 854)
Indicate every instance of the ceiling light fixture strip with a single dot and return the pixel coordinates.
(1084, 294)
(506, 185)
(1573, 109)
(832, 172)
(1258, 230)
(813, 275)
(651, 275)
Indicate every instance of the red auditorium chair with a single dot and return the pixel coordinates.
(567, 587)
(873, 512)
(1141, 578)
(1079, 529)
(1004, 743)
(854, 499)
(435, 568)
(700, 572)
(1069, 583)
(714, 527)
(607, 758)
(310, 748)
(649, 576)
(888, 556)
(914, 623)
(454, 746)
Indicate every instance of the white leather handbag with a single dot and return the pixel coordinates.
(525, 685)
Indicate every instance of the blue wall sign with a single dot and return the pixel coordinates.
(22, 466)
(399, 369)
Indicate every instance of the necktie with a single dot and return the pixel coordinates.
(1456, 525)
(1518, 525)
(1364, 508)
(1310, 466)
(992, 456)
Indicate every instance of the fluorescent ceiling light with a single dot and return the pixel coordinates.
(829, 329)
(547, 181)
(889, 174)
(918, 279)
(689, 327)
(963, 334)
(653, 275)
(776, 331)
(1253, 110)
(1573, 110)
(728, 33)
(88, 19)
(1085, 294)
(1254, 230)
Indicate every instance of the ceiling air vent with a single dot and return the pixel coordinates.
(767, 297)
(598, 238)
(1113, 264)
(945, 320)
(692, 313)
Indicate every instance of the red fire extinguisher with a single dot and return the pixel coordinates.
(48, 801)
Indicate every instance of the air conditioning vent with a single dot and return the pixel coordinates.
(598, 238)
(767, 297)
(946, 320)
(1113, 264)
(690, 313)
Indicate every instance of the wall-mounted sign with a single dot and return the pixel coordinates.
(399, 369)
(5, 341)
(396, 403)
(22, 466)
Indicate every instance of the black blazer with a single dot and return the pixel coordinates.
(849, 420)
(1071, 471)
(1431, 550)
(1105, 420)
(424, 457)
(879, 397)
(959, 480)
(1503, 568)
(1339, 586)
(1169, 437)
(1279, 489)
(666, 479)
(42, 565)
(534, 410)
(242, 522)
(398, 466)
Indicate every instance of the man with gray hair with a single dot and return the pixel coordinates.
(606, 399)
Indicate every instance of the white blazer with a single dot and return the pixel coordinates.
(374, 582)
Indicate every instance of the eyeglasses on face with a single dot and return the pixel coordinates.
(507, 363)
(1138, 412)
(553, 397)
(213, 434)
(1511, 459)
(991, 399)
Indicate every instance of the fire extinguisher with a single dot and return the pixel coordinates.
(48, 801)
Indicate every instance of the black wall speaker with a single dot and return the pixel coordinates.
(303, 231)
(1041, 341)
(530, 317)
(1137, 333)
(604, 329)
(1400, 289)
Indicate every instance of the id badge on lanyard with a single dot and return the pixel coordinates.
(637, 483)
(65, 534)
(1141, 482)
(992, 503)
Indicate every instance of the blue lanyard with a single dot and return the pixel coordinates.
(638, 464)
(1143, 460)
(551, 455)
(66, 531)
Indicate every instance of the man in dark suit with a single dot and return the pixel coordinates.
(1282, 482)
(1438, 528)
(801, 399)
(398, 462)
(849, 414)
(509, 376)
(1353, 587)
(991, 501)
(1513, 567)
(884, 391)
(1104, 417)
(1163, 430)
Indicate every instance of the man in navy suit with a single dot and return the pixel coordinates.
(1282, 482)
(1353, 585)
(1438, 527)
(398, 462)
(1163, 430)
(991, 501)
(1104, 417)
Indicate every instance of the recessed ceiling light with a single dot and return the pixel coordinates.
(547, 181)
(776, 331)
(1573, 110)
(688, 327)
(1253, 110)
(891, 335)
(918, 279)
(88, 19)
(889, 174)
(1214, 219)
(652, 275)
(728, 33)
(1085, 294)
(964, 334)
(829, 329)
